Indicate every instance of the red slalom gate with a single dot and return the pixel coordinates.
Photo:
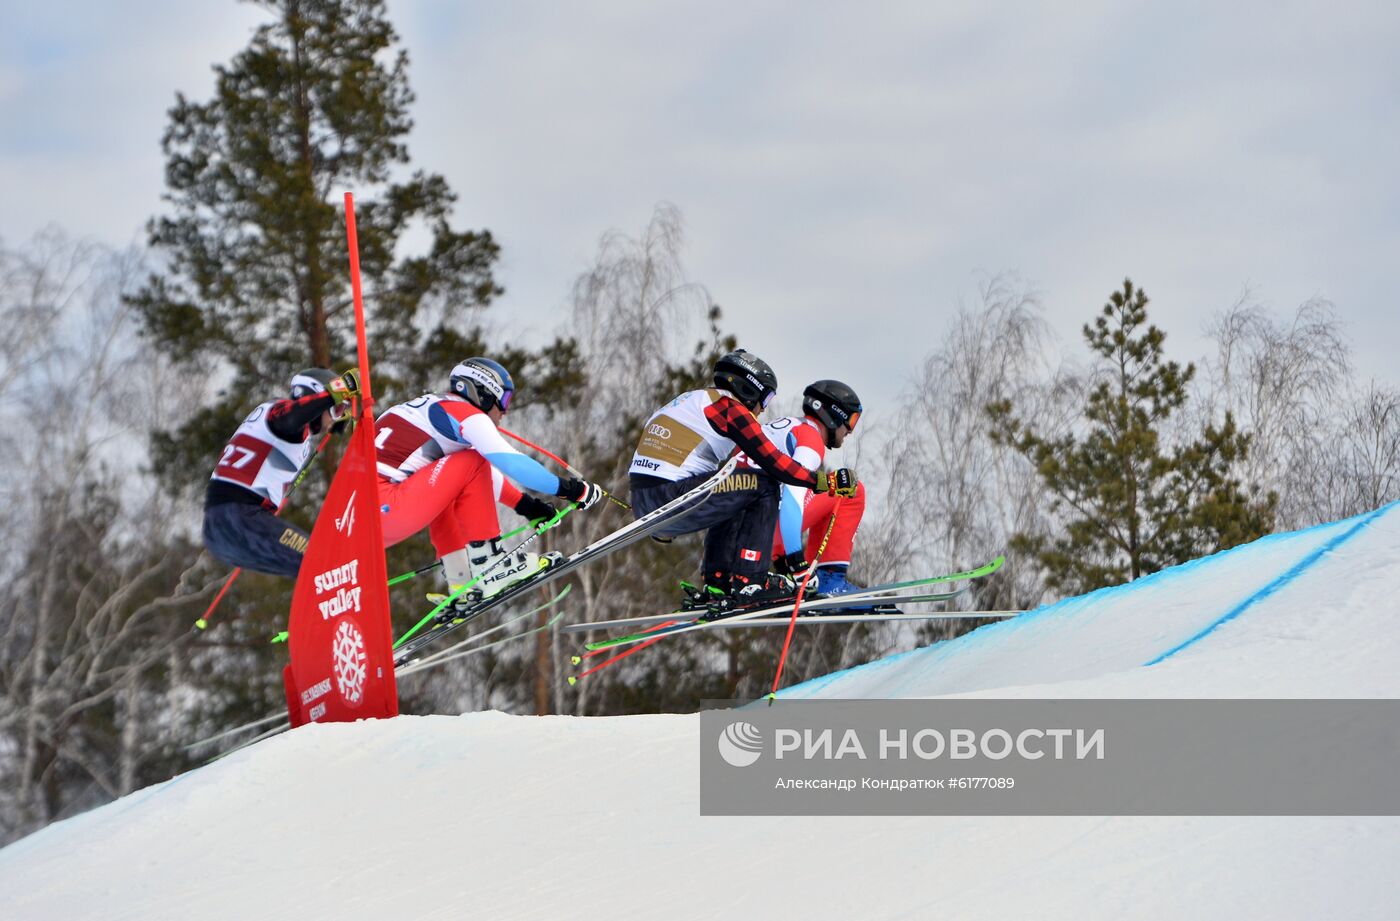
(340, 637)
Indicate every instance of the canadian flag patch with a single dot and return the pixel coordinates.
(753, 555)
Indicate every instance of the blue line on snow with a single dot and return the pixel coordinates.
(1298, 569)
(992, 632)
(1072, 605)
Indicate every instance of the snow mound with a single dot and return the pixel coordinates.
(1303, 614)
(487, 815)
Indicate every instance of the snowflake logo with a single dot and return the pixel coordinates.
(348, 651)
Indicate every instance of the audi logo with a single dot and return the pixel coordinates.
(660, 431)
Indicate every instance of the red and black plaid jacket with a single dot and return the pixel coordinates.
(733, 420)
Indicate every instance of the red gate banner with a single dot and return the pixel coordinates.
(340, 637)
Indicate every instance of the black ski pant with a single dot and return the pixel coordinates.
(739, 519)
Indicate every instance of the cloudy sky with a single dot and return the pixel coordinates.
(848, 172)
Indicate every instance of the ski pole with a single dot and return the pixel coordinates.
(801, 590)
(591, 653)
(404, 577)
(574, 679)
(572, 471)
(203, 621)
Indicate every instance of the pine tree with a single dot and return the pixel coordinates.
(1132, 502)
(255, 258)
(254, 282)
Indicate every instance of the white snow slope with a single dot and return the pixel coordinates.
(492, 816)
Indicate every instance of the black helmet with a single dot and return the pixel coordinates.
(748, 377)
(484, 383)
(833, 404)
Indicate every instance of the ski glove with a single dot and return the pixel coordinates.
(794, 564)
(534, 509)
(346, 386)
(585, 494)
(841, 482)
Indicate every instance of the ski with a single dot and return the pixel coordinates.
(413, 665)
(836, 616)
(279, 728)
(857, 617)
(887, 591)
(469, 648)
(270, 718)
(810, 605)
(605, 545)
(811, 609)
(894, 592)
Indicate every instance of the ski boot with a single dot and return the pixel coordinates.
(714, 602)
(760, 591)
(832, 581)
(700, 597)
(495, 570)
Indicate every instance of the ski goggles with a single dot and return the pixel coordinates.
(851, 422)
(505, 400)
(767, 398)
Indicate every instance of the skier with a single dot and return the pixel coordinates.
(436, 457)
(830, 412)
(262, 458)
(687, 440)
